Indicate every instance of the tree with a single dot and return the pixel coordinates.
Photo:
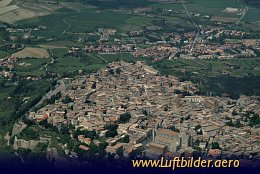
(145, 112)
(125, 139)
(118, 71)
(124, 118)
(41, 147)
(238, 124)
(67, 100)
(112, 130)
(230, 123)
(30, 133)
(94, 85)
(64, 130)
(215, 145)
(254, 120)
(197, 127)
(111, 71)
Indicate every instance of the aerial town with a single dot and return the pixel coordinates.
(211, 43)
(152, 115)
(94, 81)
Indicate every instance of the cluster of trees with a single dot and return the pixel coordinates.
(125, 139)
(33, 157)
(29, 133)
(215, 145)
(53, 98)
(254, 119)
(173, 128)
(237, 124)
(198, 129)
(67, 100)
(95, 151)
(90, 134)
(124, 118)
(112, 130)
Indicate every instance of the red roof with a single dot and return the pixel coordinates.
(44, 116)
(214, 152)
(83, 147)
(87, 140)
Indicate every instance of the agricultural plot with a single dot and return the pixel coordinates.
(223, 19)
(32, 52)
(117, 57)
(168, 5)
(4, 3)
(234, 76)
(31, 66)
(61, 44)
(59, 52)
(140, 21)
(75, 22)
(8, 8)
(213, 7)
(27, 10)
(252, 15)
(24, 10)
(135, 23)
(69, 64)
(106, 4)
(3, 54)
(212, 68)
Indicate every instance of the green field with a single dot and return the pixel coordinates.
(89, 63)
(252, 15)
(211, 7)
(69, 64)
(3, 54)
(119, 3)
(59, 52)
(234, 76)
(137, 20)
(172, 6)
(79, 22)
(35, 67)
(63, 43)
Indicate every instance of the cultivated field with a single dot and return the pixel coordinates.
(4, 3)
(8, 8)
(32, 52)
(5, 7)
(223, 19)
(79, 22)
(3, 54)
(24, 10)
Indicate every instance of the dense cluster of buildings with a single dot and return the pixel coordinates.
(165, 116)
(207, 44)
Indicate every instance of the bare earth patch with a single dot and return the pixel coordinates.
(32, 52)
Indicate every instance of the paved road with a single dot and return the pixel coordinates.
(197, 27)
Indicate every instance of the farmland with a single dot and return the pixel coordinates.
(3, 54)
(31, 66)
(32, 52)
(217, 76)
(22, 10)
(59, 23)
(64, 18)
